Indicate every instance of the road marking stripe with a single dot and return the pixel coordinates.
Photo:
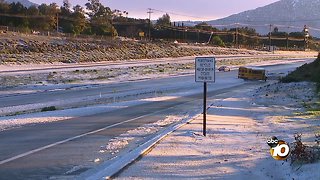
(75, 137)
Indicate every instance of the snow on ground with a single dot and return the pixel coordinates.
(108, 72)
(8, 122)
(83, 78)
(81, 66)
(289, 95)
(118, 143)
(112, 97)
(149, 73)
(239, 124)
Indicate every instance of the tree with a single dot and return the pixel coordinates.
(79, 23)
(4, 8)
(18, 9)
(33, 22)
(216, 40)
(205, 26)
(100, 19)
(49, 13)
(297, 34)
(66, 5)
(64, 17)
(164, 20)
(246, 40)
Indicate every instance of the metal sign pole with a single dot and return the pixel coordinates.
(205, 72)
(204, 108)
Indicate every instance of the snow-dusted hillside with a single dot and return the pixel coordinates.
(282, 14)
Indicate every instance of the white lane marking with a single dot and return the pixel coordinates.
(75, 137)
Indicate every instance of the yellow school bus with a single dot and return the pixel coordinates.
(252, 73)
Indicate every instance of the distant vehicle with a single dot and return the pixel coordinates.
(224, 68)
(252, 73)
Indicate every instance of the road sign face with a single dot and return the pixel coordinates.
(205, 69)
(141, 34)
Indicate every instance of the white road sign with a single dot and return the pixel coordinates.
(205, 69)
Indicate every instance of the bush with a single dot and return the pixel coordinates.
(51, 108)
(216, 40)
(306, 72)
(303, 154)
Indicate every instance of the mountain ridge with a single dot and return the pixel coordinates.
(25, 3)
(287, 15)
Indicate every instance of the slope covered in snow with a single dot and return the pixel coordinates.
(26, 3)
(282, 14)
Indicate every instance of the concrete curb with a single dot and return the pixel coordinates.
(107, 170)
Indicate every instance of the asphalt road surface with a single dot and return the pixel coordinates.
(49, 150)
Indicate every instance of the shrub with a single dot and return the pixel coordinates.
(302, 154)
(306, 72)
(50, 108)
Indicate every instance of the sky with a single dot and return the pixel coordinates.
(201, 10)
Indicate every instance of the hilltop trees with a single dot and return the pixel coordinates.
(164, 20)
(72, 20)
(65, 18)
(65, 11)
(49, 15)
(79, 20)
(100, 19)
(205, 26)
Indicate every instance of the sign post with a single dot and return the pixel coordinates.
(205, 72)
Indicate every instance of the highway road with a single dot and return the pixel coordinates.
(83, 95)
(50, 150)
(25, 69)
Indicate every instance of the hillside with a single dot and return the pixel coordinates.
(282, 14)
(18, 48)
(307, 72)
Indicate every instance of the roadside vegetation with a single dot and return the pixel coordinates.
(307, 72)
(301, 152)
(96, 20)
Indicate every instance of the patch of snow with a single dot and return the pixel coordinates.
(118, 143)
(9, 122)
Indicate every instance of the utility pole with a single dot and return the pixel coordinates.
(186, 35)
(198, 34)
(57, 23)
(236, 37)
(287, 47)
(270, 30)
(306, 36)
(149, 12)
(210, 38)
(175, 31)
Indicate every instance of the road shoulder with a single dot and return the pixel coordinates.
(235, 147)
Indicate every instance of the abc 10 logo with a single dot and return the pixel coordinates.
(279, 149)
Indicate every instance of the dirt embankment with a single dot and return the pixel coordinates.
(25, 49)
